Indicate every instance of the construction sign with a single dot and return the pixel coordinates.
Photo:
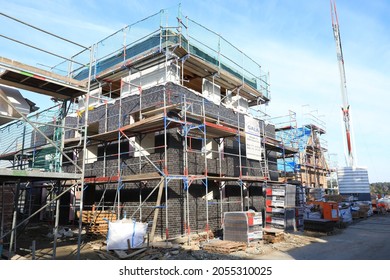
(252, 138)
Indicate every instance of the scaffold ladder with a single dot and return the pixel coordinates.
(264, 161)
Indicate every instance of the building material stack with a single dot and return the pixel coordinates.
(300, 206)
(243, 226)
(280, 207)
(316, 194)
(97, 221)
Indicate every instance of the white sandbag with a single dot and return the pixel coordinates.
(121, 231)
(346, 215)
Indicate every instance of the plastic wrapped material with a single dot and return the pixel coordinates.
(312, 212)
(121, 231)
(313, 215)
(316, 194)
(384, 203)
(345, 215)
(365, 206)
(242, 226)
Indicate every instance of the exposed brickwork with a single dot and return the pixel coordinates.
(107, 118)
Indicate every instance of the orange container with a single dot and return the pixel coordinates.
(330, 210)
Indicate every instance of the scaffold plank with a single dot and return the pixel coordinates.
(31, 78)
(127, 178)
(37, 174)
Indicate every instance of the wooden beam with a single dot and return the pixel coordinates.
(158, 203)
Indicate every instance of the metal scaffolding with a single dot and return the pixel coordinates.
(36, 153)
(309, 164)
(113, 79)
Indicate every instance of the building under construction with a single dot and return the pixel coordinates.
(309, 165)
(161, 127)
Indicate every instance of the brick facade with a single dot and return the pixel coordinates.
(107, 118)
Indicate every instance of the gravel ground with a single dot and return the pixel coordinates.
(298, 245)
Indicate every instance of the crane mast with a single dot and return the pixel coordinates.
(343, 85)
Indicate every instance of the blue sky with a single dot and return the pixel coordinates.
(293, 40)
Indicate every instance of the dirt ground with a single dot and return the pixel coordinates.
(297, 245)
(94, 248)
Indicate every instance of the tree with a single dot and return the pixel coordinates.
(380, 188)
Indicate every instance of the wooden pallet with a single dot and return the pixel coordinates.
(273, 239)
(96, 221)
(224, 247)
(97, 216)
(97, 229)
(273, 235)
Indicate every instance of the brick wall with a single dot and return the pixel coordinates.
(130, 193)
(130, 200)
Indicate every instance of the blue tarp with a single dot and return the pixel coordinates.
(291, 138)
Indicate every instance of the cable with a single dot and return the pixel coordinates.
(44, 31)
(39, 49)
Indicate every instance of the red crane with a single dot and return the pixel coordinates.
(343, 85)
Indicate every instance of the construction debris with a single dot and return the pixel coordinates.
(107, 256)
(203, 236)
(123, 255)
(163, 245)
(18, 257)
(62, 232)
(273, 235)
